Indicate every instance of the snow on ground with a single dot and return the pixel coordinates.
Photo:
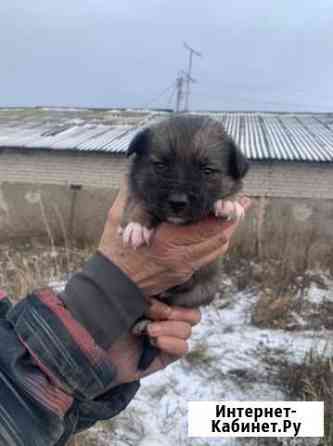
(317, 295)
(228, 363)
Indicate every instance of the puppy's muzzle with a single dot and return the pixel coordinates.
(178, 202)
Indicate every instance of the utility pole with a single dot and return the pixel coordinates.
(188, 77)
(180, 93)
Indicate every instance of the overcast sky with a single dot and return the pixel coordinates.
(257, 54)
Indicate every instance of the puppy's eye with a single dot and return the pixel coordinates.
(159, 165)
(209, 170)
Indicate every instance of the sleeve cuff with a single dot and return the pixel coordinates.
(104, 300)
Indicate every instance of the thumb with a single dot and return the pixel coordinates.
(116, 212)
(212, 235)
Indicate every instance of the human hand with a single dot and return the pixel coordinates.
(170, 329)
(175, 252)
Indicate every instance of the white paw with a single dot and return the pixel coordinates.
(219, 208)
(140, 328)
(229, 209)
(136, 235)
(239, 212)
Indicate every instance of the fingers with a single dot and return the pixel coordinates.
(173, 329)
(215, 235)
(159, 311)
(190, 315)
(172, 346)
(203, 235)
(176, 329)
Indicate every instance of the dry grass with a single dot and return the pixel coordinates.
(26, 267)
(312, 380)
(200, 355)
(83, 440)
(279, 276)
(282, 290)
(33, 263)
(273, 312)
(309, 380)
(290, 309)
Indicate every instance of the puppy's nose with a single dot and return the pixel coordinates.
(178, 202)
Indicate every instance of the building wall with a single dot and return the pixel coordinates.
(52, 211)
(61, 168)
(290, 180)
(293, 215)
(102, 170)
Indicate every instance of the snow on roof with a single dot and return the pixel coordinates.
(261, 136)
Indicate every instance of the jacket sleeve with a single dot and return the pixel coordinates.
(55, 374)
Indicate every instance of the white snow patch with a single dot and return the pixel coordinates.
(317, 295)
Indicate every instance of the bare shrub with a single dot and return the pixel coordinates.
(312, 380)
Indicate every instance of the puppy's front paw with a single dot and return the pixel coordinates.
(140, 328)
(136, 235)
(231, 210)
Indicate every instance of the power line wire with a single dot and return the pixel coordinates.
(160, 95)
(171, 96)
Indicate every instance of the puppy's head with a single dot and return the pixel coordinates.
(182, 166)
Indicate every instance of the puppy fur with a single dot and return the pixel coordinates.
(181, 167)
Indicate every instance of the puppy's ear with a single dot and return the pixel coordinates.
(238, 164)
(139, 143)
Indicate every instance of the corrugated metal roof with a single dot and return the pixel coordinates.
(261, 136)
(279, 136)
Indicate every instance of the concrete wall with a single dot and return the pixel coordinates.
(299, 232)
(56, 212)
(293, 216)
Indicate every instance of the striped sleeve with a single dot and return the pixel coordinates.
(55, 378)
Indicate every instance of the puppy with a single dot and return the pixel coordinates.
(184, 169)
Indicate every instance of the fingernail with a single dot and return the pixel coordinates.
(168, 311)
(163, 309)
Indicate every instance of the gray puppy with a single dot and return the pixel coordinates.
(183, 169)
